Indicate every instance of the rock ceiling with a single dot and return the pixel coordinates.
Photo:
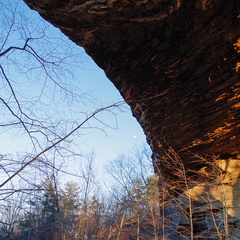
(175, 62)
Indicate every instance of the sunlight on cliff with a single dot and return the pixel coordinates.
(225, 188)
(237, 48)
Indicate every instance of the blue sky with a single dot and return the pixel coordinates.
(46, 101)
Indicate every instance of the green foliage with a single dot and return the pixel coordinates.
(69, 198)
(61, 214)
(51, 213)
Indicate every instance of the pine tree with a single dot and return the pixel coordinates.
(49, 223)
(69, 204)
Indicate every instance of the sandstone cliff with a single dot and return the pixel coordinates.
(176, 64)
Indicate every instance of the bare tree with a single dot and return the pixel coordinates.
(9, 216)
(40, 102)
(37, 83)
(136, 195)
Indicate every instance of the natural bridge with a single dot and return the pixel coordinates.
(176, 63)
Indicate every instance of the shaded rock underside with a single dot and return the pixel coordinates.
(174, 62)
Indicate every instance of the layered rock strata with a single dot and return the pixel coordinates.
(209, 209)
(176, 63)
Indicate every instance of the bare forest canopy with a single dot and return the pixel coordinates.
(175, 62)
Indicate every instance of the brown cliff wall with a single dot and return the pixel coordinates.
(175, 63)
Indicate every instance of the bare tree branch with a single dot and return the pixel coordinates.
(116, 105)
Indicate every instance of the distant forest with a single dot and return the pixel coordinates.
(128, 208)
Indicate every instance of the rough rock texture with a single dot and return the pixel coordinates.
(210, 209)
(175, 63)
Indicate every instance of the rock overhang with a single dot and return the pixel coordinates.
(174, 62)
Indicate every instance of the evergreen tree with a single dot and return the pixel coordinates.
(49, 227)
(69, 204)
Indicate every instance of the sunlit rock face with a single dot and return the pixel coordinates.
(210, 208)
(175, 62)
(227, 181)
